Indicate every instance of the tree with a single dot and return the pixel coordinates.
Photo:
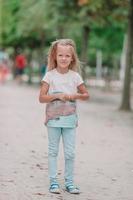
(9, 21)
(89, 12)
(125, 104)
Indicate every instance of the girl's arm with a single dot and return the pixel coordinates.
(44, 97)
(82, 95)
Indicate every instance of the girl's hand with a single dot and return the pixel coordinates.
(79, 96)
(66, 97)
(61, 96)
(72, 97)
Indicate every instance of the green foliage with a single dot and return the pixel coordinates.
(33, 24)
(9, 20)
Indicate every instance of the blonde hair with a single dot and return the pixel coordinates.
(52, 63)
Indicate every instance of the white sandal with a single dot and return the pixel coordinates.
(72, 189)
(54, 188)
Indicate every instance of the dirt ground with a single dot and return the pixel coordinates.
(104, 151)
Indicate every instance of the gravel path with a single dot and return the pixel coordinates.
(104, 158)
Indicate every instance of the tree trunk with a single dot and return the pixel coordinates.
(84, 48)
(125, 104)
(123, 59)
(98, 64)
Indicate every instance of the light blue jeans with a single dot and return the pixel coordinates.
(68, 138)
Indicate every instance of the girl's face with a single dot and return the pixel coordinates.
(63, 57)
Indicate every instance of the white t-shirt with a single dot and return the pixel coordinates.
(65, 83)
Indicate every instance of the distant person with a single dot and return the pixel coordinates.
(20, 64)
(43, 69)
(61, 87)
(4, 68)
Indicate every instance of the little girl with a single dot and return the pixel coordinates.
(61, 87)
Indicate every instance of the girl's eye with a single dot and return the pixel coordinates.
(60, 55)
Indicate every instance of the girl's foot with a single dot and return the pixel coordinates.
(72, 189)
(54, 188)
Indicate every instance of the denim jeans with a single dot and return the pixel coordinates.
(68, 138)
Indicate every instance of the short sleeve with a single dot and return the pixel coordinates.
(79, 79)
(46, 78)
